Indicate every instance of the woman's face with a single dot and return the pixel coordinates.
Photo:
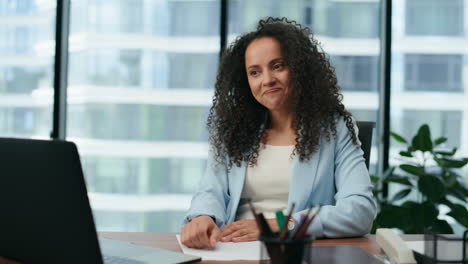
(268, 74)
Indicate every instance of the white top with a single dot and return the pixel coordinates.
(267, 184)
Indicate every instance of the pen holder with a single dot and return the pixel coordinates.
(285, 251)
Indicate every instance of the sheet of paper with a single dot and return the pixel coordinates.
(417, 246)
(226, 251)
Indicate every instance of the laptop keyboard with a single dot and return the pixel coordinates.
(120, 260)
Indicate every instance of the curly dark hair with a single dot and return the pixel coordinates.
(237, 122)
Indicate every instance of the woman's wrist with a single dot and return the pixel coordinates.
(204, 216)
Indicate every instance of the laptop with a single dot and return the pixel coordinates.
(45, 216)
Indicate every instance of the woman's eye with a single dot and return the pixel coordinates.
(253, 73)
(278, 66)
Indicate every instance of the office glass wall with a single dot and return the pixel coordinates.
(26, 67)
(429, 72)
(141, 76)
(348, 32)
(429, 69)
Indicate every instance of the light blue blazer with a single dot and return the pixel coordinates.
(335, 177)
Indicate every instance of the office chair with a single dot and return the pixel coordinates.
(365, 136)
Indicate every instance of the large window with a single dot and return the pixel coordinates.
(141, 76)
(141, 79)
(429, 83)
(26, 64)
(137, 122)
(429, 65)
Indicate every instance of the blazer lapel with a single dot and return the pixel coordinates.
(236, 179)
(302, 181)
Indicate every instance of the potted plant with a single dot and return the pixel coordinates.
(434, 175)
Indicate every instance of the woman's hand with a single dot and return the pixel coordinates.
(201, 232)
(244, 230)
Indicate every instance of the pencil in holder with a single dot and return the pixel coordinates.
(285, 251)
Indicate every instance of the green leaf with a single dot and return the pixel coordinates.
(398, 138)
(445, 153)
(432, 187)
(422, 140)
(399, 179)
(415, 170)
(388, 172)
(451, 163)
(406, 154)
(459, 213)
(428, 212)
(392, 216)
(458, 191)
(440, 141)
(446, 202)
(461, 187)
(451, 179)
(401, 194)
(375, 225)
(374, 179)
(422, 215)
(457, 194)
(410, 205)
(376, 194)
(441, 227)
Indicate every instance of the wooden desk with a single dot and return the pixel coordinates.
(168, 241)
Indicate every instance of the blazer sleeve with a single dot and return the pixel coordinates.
(212, 195)
(355, 207)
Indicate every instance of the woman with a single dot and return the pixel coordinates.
(279, 134)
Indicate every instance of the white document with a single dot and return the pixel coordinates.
(226, 251)
(417, 246)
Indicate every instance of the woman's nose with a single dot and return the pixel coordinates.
(268, 78)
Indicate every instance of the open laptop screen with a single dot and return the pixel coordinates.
(44, 207)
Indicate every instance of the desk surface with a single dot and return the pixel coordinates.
(169, 241)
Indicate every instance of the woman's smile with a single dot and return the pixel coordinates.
(272, 90)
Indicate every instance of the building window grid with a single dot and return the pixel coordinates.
(349, 20)
(17, 7)
(18, 39)
(425, 72)
(435, 17)
(356, 73)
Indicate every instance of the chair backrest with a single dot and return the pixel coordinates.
(365, 136)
